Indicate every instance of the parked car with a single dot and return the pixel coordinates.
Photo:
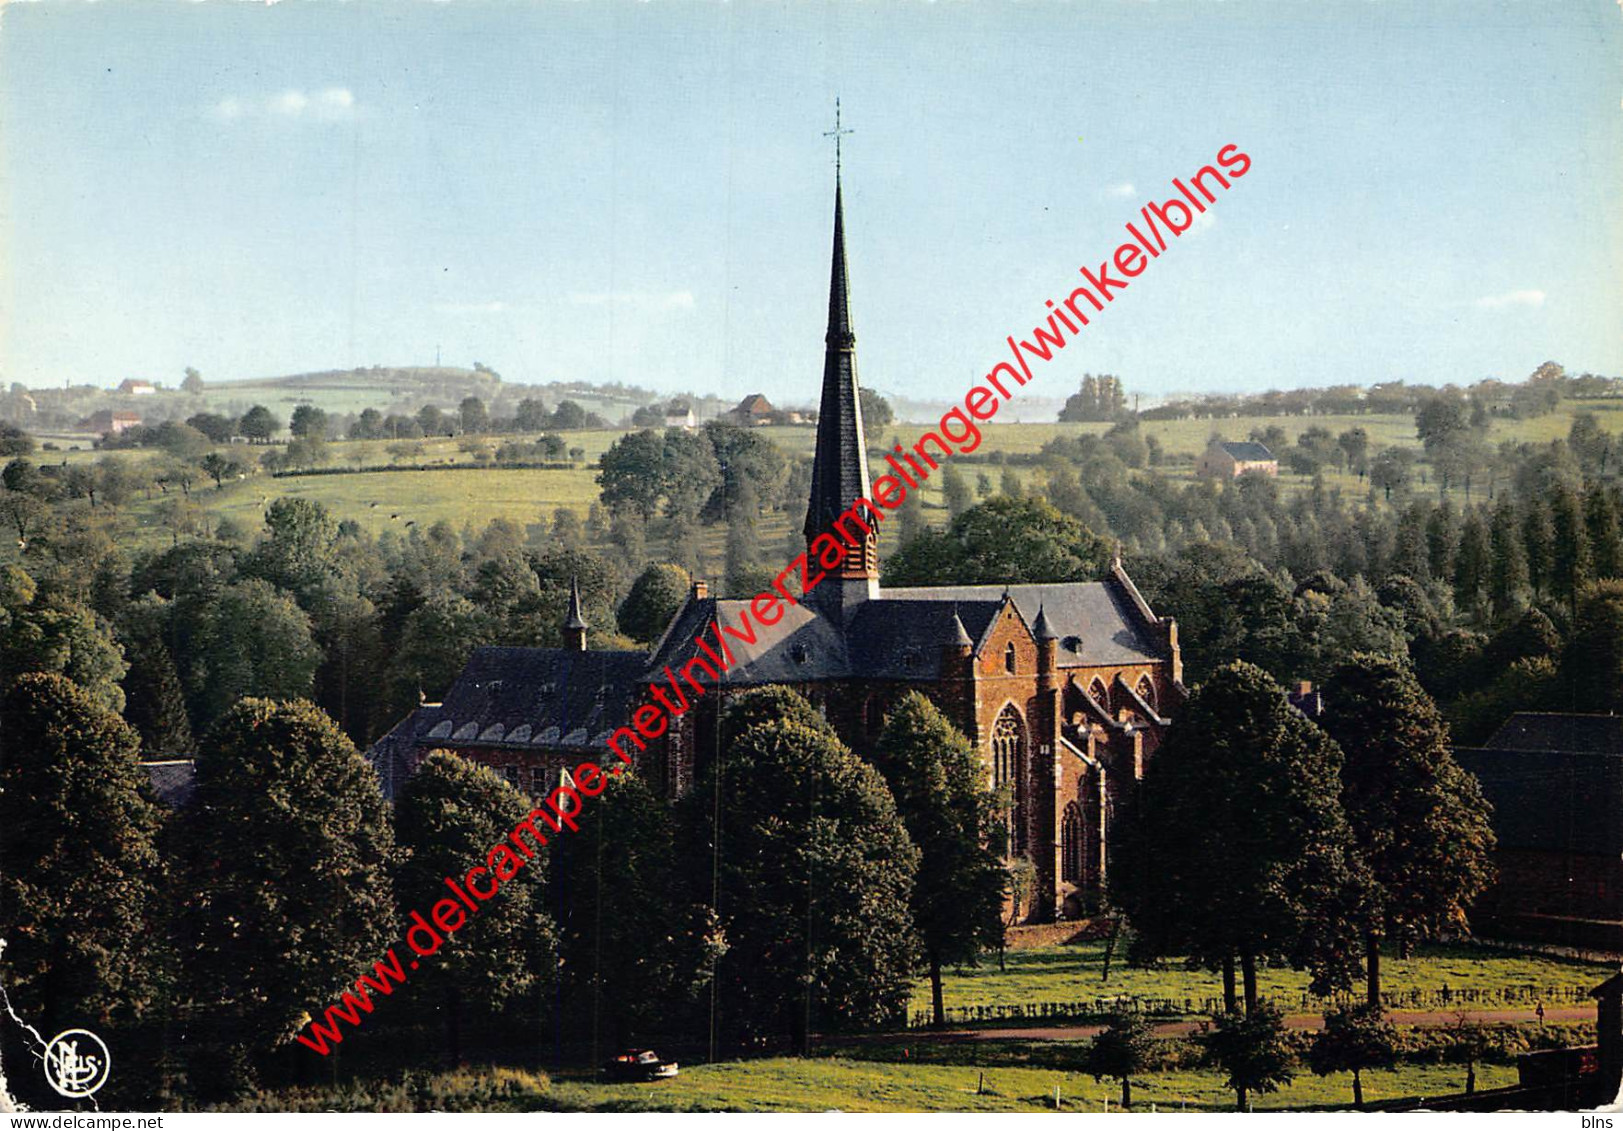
(638, 1066)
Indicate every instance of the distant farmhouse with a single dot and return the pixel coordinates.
(679, 414)
(137, 388)
(753, 410)
(1228, 459)
(107, 422)
(1556, 785)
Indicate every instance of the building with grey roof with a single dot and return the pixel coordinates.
(1066, 688)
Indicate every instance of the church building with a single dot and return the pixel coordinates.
(1064, 688)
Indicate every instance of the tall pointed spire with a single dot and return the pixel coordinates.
(575, 624)
(840, 459)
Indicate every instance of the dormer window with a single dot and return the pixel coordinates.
(1008, 659)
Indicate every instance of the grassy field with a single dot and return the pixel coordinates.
(1074, 973)
(475, 496)
(834, 1083)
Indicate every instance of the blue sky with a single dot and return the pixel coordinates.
(642, 192)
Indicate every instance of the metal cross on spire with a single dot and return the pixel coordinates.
(836, 133)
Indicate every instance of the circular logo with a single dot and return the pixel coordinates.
(76, 1063)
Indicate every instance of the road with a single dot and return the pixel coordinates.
(1434, 1019)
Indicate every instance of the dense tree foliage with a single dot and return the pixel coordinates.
(446, 820)
(939, 784)
(813, 877)
(1354, 1039)
(1251, 1050)
(1239, 848)
(287, 853)
(1419, 820)
(1126, 1048)
(80, 873)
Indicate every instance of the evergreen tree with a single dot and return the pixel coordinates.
(1238, 847)
(1442, 539)
(447, 819)
(1354, 1038)
(1592, 663)
(743, 560)
(287, 851)
(814, 874)
(1410, 555)
(1569, 548)
(1473, 564)
(1605, 534)
(1538, 542)
(939, 785)
(154, 699)
(910, 520)
(1419, 820)
(957, 491)
(80, 876)
(1507, 577)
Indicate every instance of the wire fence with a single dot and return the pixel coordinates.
(1092, 1009)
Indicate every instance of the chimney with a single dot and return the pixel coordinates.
(701, 589)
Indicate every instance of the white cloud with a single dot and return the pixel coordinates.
(290, 103)
(1511, 298)
(650, 300)
(334, 104)
(1123, 189)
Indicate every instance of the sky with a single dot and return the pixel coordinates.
(643, 192)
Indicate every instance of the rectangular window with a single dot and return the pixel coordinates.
(511, 774)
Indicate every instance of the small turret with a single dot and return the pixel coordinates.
(575, 626)
(1047, 641)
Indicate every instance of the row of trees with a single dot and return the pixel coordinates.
(1540, 393)
(1260, 835)
(195, 940)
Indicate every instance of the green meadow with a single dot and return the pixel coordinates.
(459, 491)
(843, 1084)
(1075, 972)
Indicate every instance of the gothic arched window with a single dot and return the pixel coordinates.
(1008, 750)
(1008, 658)
(1097, 692)
(1070, 844)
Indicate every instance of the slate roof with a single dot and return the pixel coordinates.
(1247, 450)
(174, 780)
(1555, 782)
(840, 459)
(1530, 730)
(901, 634)
(516, 698)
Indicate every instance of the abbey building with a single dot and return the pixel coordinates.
(1064, 688)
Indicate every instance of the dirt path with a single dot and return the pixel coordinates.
(1418, 1018)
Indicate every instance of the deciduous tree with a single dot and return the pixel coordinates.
(80, 873)
(449, 818)
(287, 854)
(814, 874)
(1420, 822)
(940, 788)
